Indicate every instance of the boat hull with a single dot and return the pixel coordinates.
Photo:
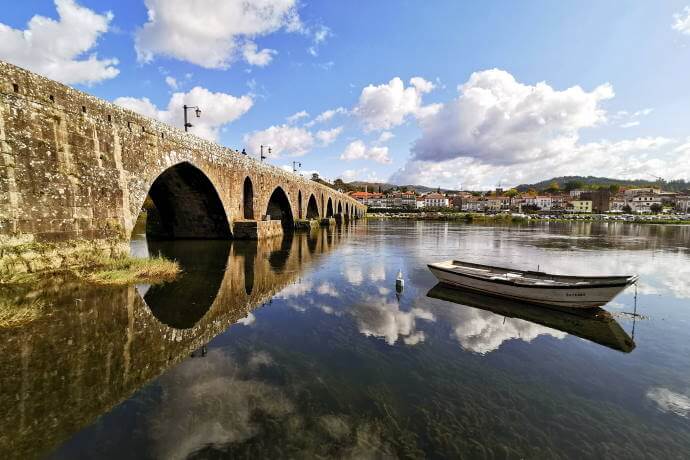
(567, 297)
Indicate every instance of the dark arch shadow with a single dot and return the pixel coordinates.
(340, 207)
(312, 208)
(299, 204)
(279, 208)
(248, 199)
(329, 208)
(183, 302)
(185, 206)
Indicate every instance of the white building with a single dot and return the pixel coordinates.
(436, 200)
(577, 192)
(544, 202)
(643, 203)
(419, 202)
(633, 192)
(683, 203)
(473, 205)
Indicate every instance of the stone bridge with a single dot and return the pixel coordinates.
(78, 168)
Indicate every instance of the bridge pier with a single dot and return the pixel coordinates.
(256, 229)
(327, 222)
(306, 224)
(339, 218)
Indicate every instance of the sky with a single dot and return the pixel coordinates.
(453, 94)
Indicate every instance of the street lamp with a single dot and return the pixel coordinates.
(197, 110)
(263, 157)
(295, 165)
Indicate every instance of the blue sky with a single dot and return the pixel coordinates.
(444, 93)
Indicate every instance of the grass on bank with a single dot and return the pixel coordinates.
(12, 315)
(130, 270)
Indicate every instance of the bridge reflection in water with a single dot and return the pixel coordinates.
(98, 345)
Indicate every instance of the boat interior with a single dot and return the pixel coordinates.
(536, 278)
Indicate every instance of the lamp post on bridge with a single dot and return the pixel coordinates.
(295, 165)
(197, 110)
(263, 157)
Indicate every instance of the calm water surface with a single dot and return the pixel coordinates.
(302, 347)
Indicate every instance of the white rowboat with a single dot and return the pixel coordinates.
(530, 286)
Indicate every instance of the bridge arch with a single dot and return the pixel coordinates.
(329, 208)
(299, 204)
(340, 207)
(186, 205)
(248, 199)
(312, 208)
(279, 208)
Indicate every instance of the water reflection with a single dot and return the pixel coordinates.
(95, 346)
(338, 364)
(182, 303)
(595, 325)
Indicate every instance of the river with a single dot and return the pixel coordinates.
(302, 347)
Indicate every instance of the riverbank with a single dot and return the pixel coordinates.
(526, 218)
(97, 261)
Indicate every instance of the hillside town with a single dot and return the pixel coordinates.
(614, 199)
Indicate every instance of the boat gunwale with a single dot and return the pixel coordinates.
(628, 279)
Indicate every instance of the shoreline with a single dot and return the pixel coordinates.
(518, 219)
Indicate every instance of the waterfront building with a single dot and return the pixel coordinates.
(436, 200)
(630, 193)
(543, 202)
(683, 203)
(580, 206)
(643, 202)
(616, 204)
(600, 199)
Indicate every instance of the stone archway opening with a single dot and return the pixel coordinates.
(279, 208)
(340, 207)
(312, 208)
(184, 204)
(248, 199)
(329, 208)
(299, 204)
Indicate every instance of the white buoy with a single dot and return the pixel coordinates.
(399, 282)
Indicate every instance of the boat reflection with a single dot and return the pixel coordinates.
(595, 325)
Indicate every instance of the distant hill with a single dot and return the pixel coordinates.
(591, 181)
(374, 187)
(564, 182)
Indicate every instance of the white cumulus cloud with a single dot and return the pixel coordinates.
(357, 150)
(681, 21)
(328, 136)
(254, 56)
(327, 115)
(64, 49)
(210, 33)
(499, 120)
(388, 105)
(295, 117)
(290, 140)
(499, 129)
(217, 109)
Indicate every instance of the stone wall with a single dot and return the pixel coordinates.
(75, 167)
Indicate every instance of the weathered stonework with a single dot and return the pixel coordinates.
(75, 167)
(256, 229)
